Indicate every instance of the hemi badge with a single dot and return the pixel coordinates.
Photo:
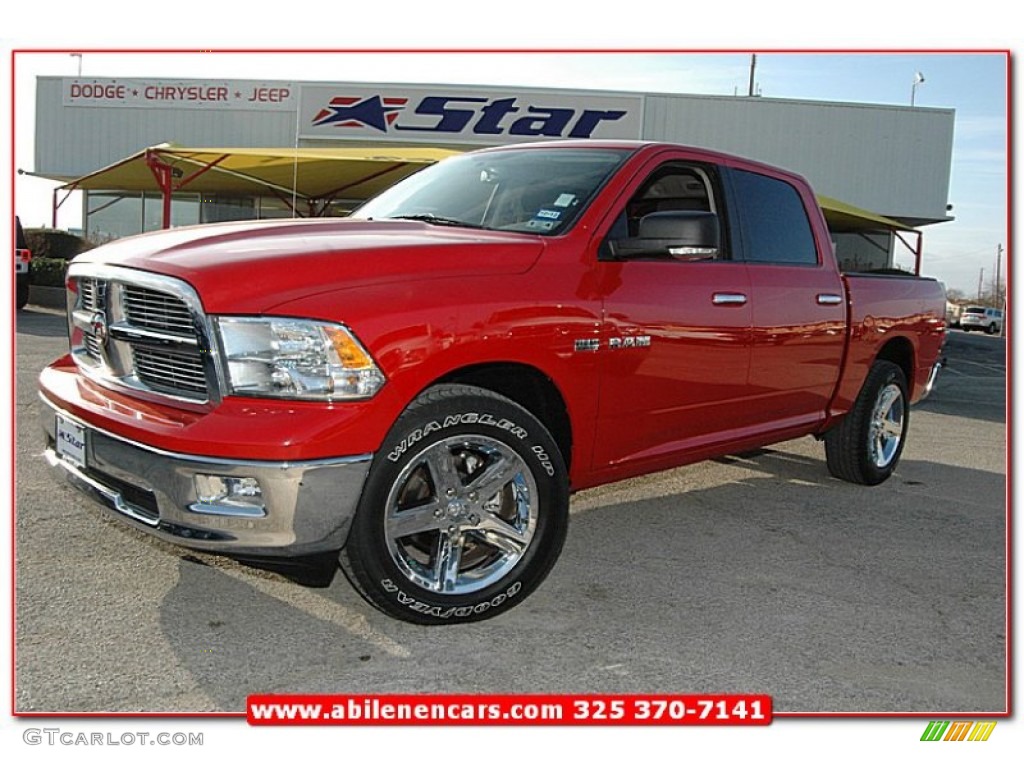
(587, 345)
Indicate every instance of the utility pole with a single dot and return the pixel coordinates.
(981, 277)
(753, 66)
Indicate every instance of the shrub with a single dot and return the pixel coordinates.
(55, 244)
(49, 272)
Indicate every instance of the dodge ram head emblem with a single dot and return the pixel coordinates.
(98, 327)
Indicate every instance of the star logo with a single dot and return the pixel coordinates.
(351, 112)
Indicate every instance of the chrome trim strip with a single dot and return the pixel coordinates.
(729, 299)
(122, 331)
(222, 510)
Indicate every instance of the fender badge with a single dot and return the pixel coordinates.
(626, 342)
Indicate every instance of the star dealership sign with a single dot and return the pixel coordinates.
(443, 114)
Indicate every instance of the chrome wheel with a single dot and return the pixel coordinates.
(886, 430)
(464, 510)
(461, 514)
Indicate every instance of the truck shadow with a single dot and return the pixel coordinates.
(777, 578)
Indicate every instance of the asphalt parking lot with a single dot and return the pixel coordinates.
(758, 573)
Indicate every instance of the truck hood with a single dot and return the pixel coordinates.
(254, 266)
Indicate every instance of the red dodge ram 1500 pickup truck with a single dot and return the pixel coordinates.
(420, 387)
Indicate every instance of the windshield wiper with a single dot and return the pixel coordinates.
(441, 221)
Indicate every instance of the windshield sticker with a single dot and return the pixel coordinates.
(545, 213)
(565, 200)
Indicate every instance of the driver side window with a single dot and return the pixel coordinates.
(671, 187)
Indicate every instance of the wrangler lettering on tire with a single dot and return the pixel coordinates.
(464, 512)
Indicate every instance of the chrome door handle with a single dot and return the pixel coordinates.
(726, 299)
(829, 298)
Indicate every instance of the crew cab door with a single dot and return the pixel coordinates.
(799, 310)
(676, 338)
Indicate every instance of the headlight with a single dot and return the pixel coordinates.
(291, 358)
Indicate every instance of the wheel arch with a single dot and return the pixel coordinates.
(528, 387)
(900, 351)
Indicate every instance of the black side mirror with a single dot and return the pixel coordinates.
(684, 235)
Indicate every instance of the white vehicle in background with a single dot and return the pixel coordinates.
(982, 319)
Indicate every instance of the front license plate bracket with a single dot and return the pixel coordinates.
(72, 441)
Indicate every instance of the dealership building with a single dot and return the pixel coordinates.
(148, 152)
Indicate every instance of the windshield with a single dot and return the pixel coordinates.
(523, 190)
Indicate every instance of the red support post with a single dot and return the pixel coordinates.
(162, 173)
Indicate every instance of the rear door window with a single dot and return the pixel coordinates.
(775, 226)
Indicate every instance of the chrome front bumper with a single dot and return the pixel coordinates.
(307, 507)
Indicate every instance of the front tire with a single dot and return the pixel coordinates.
(991, 329)
(866, 446)
(464, 512)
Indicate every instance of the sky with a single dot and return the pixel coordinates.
(974, 85)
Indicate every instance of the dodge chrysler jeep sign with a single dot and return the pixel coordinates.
(179, 94)
(449, 115)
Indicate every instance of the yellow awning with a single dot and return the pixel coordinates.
(845, 217)
(315, 173)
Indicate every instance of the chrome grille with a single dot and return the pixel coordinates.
(93, 347)
(141, 331)
(91, 290)
(145, 308)
(170, 372)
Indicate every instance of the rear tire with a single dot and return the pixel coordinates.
(464, 512)
(22, 293)
(866, 446)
